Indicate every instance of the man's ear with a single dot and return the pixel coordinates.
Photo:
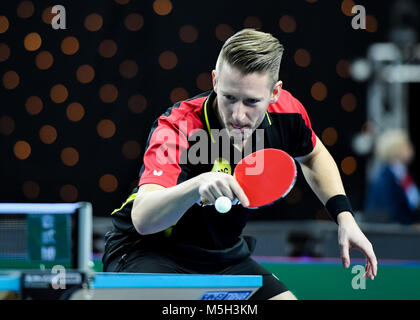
(276, 91)
(213, 75)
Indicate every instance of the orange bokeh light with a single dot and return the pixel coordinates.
(22, 150)
(59, 93)
(32, 41)
(162, 7)
(108, 183)
(319, 91)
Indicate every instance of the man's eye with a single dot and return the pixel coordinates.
(230, 98)
(251, 102)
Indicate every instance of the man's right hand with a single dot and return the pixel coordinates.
(157, 208)
(213, 185)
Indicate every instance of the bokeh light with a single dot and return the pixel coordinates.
(69, 193)
(368, 128)
(108, 93)
(347, 6)
(287, 24)
(70, 45)
(372, 24)
(22, 150)
(329, 136)
(302, 58)
(162, 7)
(223, 32)
(349, 102)
(343, 68)
(25, 9)
(4, 52)
(253, 22)
(4, 24)
(108, 183)
(348, 165)
(75, 112)
(44, 60)
(204, 81)
(7, 125)
(59, 93)
(106, 128)
(33, 105)
(178, 94)
(188, 33)
(11, 80)
(319, 91)
(48, 134)
(69, 156)
(131, 150)
(128, 69)
(47, 15)
(32, 41)
(93, 22)
(134, 22)
(107, 48)
(137, 103)
(168, 60)
(85, 73)
(31, 189)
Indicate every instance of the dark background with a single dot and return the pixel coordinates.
(322, 29)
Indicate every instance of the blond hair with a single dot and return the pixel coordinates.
(251, 51)
(390, 143)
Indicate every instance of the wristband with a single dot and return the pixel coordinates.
(337, 205)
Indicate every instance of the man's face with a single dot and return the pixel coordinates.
(242, 100)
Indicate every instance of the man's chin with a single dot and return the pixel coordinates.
(238, 135)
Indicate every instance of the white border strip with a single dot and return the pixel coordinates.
(38, 208)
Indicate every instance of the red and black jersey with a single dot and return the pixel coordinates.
(179, 147)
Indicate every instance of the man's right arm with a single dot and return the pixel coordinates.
(157, 208)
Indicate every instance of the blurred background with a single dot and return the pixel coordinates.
(77, 103)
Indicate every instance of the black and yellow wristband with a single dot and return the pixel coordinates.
(337, 205)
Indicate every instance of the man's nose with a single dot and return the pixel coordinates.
(239, 113)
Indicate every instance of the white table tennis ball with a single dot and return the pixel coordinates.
(223, 204)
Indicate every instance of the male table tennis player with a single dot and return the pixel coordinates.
(161, 228)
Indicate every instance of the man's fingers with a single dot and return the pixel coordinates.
(216, 192)
(373, 265)
(226, 191)
(371, 262)
(345, 255)
(367, 270)
(239, 193)
(370, 273)
(223, 185)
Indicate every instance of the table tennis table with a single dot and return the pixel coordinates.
(132, 286)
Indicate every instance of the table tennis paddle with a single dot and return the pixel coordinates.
(265, 176)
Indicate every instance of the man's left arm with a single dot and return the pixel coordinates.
(323, 176)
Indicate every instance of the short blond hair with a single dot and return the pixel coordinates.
(251, 51)
(390, 143)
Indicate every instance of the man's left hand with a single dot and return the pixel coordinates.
(351, 237)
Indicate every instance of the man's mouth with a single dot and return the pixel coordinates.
(239, 127)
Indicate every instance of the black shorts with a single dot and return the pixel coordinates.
(158, 262)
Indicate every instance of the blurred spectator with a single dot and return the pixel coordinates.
(392, 194)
